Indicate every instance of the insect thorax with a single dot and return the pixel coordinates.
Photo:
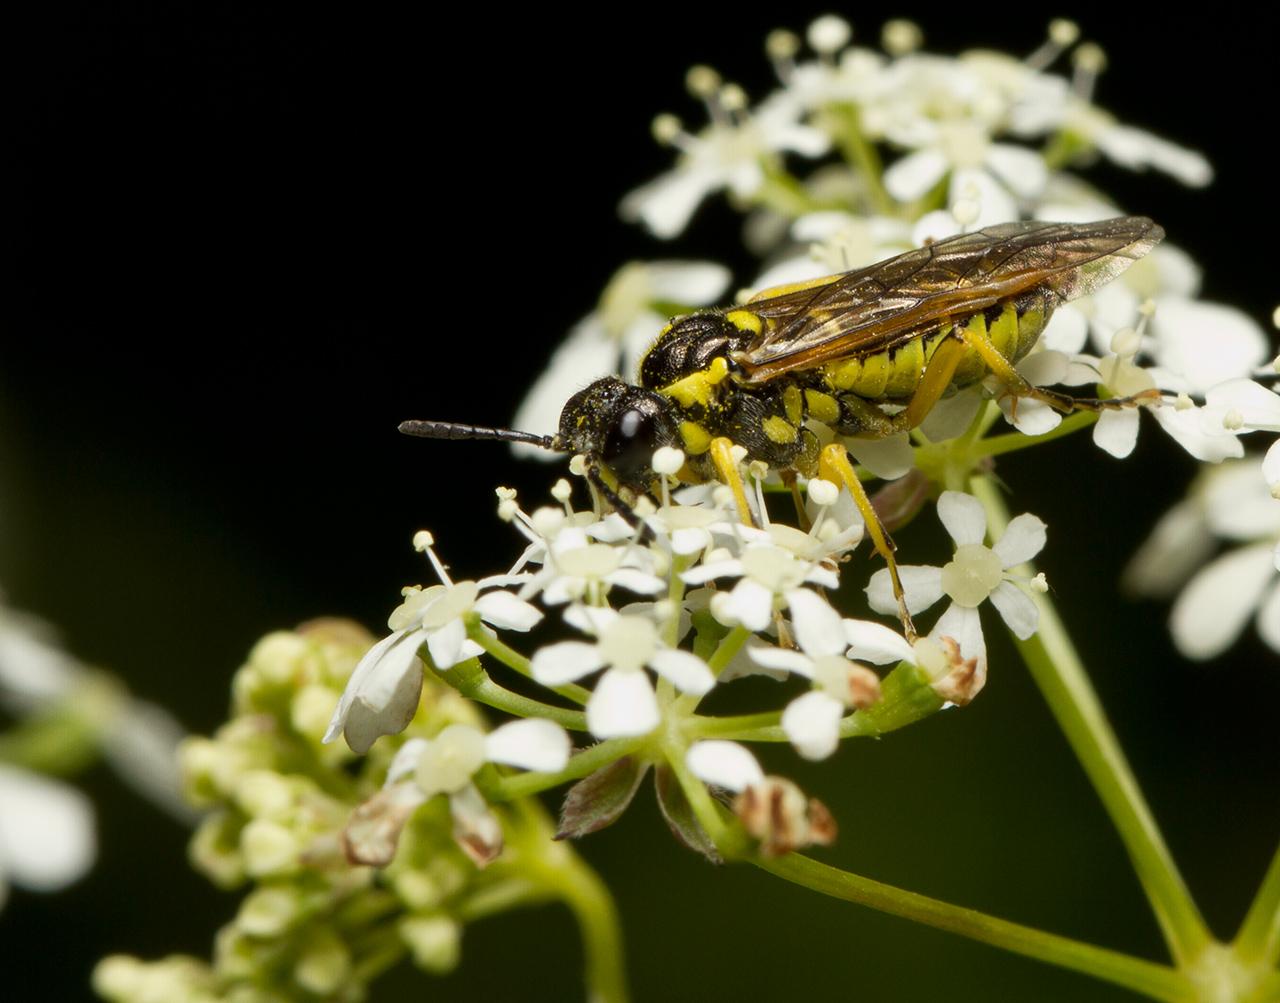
(690, 344)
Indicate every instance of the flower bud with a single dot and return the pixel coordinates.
(268, 848)
(434, 940)
(324, 965)
(776, 812)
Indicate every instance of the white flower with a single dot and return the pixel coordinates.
(577, 568)
(990, 177)
(1232, 503)
(772, 810)
(724, 764)
(46, 832)
(382, 694)
(812, 721)
(1195, 344)
(1136, 149)
(975, 574)
(832, 241)
(446, 764)
(138, 738)
(612, 339)
(769, 577)
(623, 702)
(730, 153)
(1238, 406)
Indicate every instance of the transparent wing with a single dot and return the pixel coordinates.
(887, 304)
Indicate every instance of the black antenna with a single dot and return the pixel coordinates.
(454, 431)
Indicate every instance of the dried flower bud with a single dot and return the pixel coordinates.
(776, 812)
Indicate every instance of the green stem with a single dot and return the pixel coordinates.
(740, 727)
(729, 646)
(1156, 981)
(512, 659)
(1057, 670)
(580, 765)
(470, 679)
(585, 894)
(783, 193)
(1010, 442)
(501, 896)
(862, 154)
(563, 873)
(1259, 938)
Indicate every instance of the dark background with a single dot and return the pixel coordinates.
(248, 243)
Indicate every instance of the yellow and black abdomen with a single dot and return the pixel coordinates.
(894, 374)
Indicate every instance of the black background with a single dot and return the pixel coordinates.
(249, 242)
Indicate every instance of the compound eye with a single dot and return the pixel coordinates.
(629, 446)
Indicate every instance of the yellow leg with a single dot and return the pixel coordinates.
(933, 383)
(1017, 386)
(834, 466)
(722, 456)
(872, 423)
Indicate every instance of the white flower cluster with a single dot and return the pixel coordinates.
(668, 611)
(902, 147)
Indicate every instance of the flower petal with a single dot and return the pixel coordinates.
(623, 705)
(506, 612)
(1214, 607)
(1030, 417)
(723, 764)
(531, 744)
(586, 354)
(666, 203)
(47, 835)
(690, 283)
(1116, 432)
(1023, 538)
(445, 644)
(781, 660)
(1016, 607)
(888, 458)
(1023, 171)
(875, 643)
(561, 663)
(921, 583)
(952, 415)
(750, 604)
(1179, 543)
(1271, 465)
(381, 696)
(476, 829)
(1186, 428)
(405, 761)
(812, 722)
(818, 627)
(637, 581)
(963, 517)
(913, 175)
(686, 671)
(1206, 343)
(1269, 619)
(963, 625)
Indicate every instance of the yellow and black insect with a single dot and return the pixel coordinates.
(903, 332)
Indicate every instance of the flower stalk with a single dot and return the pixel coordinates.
(1057, 670)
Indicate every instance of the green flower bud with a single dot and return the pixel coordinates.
(324, 965)
(269, 912)
(436, 941)
(269, 848)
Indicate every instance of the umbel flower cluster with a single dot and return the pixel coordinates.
(609, 642)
